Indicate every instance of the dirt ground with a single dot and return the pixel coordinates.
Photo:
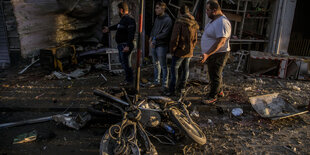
(32, 95)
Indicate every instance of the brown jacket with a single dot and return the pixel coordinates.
(184, 36)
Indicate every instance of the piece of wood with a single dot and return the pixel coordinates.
(289, 115)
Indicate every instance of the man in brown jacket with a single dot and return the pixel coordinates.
(182, 44)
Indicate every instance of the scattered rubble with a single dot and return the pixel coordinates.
(195, 112)
(37, 97)
(32, 63)
(295, 88)
(273, 106)
(31, 121)
(248, 88)
(75, 122)
(75, 74)
(26, 137)
(237, 111)
(217, 123)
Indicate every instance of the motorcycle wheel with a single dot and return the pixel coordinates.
(108, 146)
(191, 129)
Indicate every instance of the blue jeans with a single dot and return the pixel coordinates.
(176, 63)
(125, 60)
(160, 63)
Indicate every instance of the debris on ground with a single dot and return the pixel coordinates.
(75, 122)
(273, 106)
(31, 121)
(81, 92)
(244, 134)
(37, 97)
(105, 79)
(237, 111)
(281, 84)
(101, 67)
(248, 88)
(26, 137)
(195, 112)
(32, 63)
(295, 88)
(210, 121)
(75, 74)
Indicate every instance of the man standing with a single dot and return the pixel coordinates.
(124, 37)
(215, 48)
(182, 44)
(159, 40)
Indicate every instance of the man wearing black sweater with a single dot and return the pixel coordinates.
(159, 41)
(125, 33)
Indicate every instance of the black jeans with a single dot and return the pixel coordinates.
(125, 60)
(216, 64)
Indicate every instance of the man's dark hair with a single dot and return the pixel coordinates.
(123, 5)
(184, 9)
(214, 5)
(162, 4)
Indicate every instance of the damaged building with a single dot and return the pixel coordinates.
(61, 88)
(274, 27)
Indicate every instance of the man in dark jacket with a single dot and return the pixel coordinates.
(124, 37)
(159, 41)
(182, 44)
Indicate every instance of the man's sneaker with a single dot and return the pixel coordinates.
(221, 94)
(210, 100)
(153, 85)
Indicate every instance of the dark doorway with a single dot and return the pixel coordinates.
(300, 36)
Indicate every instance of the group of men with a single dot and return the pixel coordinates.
(180, 40)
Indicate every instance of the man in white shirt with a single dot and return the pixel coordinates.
(215, 48)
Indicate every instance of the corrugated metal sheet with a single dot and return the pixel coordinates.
(11, 27)
(4, 50)
(299, 47)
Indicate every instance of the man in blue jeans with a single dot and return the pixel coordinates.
(182, 44)
(124, 37)
(159, 41)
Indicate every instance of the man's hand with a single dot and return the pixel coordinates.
(126, 49)
(151, 44)
(204, 58)
(105, 30)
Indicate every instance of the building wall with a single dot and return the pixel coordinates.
(282, 21)
(288, 17)
(51, 23)
(11, 26)
(12, 37)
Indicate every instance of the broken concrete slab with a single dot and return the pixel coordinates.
(273, 106)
